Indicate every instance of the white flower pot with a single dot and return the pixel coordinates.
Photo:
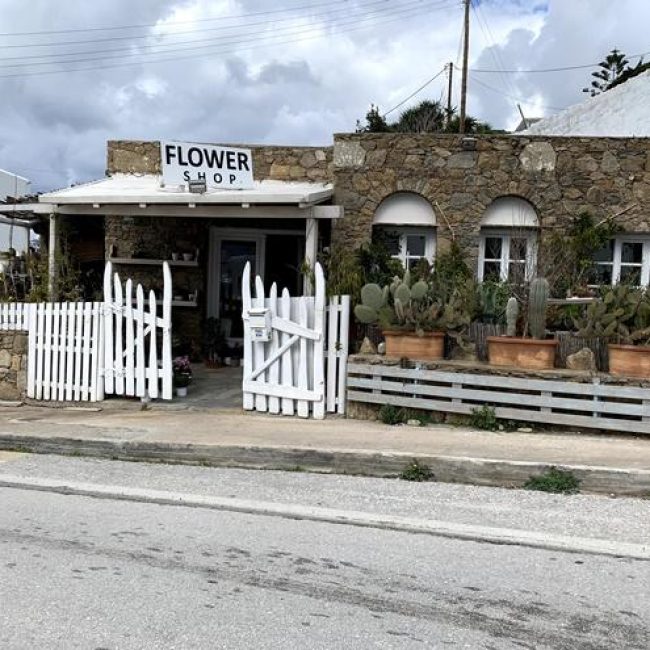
(181, 391)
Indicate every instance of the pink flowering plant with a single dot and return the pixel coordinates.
(182, 371)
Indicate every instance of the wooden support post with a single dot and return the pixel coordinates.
(311, 253)
(52, 279)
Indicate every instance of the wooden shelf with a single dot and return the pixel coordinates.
(142, 261)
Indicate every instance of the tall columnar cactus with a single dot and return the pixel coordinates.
(512, 313)
(537, 302)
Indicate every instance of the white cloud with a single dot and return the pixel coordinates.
(300, 90)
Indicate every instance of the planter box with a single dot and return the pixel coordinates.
(629, 360)
(534, 354)
(430, 346)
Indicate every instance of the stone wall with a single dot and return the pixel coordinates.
(13, 365)
(559, 176)
(269, 162)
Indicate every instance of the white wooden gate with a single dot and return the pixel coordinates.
(137, 361)
(287, 373)
(81, 351)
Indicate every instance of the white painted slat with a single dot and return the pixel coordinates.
(119, 327)
(63, 349)
(40, 350)
(140, 374)
(259, 349)
(274, 346)
(248, 399)
(318, 356)
(129, 352)
(69, 353)
(47, 352)
(332, 338)
(109, 359)
(31, 353)
(286, 368)
(56, 320)
(78, 350)
(12, 315)
(87, 337)
(303, 394)
(167, 368)
(303, 405)
(152, 371)
(343, 349)
(95, 351)
(4, 316)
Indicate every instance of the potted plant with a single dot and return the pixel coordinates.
(535, 352)
(622, 318)
(182, 375)
(409, 315)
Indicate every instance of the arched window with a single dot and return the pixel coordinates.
(508, 244)
(408, 224)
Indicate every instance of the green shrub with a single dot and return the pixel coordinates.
(484, 418)
(554, 480)
(390, 414)
(416, 471)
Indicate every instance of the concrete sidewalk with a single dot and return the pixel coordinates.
(605, 464)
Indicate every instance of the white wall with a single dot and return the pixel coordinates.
(12, 185)
(19, 239)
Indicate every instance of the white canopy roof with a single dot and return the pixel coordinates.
(146, 189)
(404, 209)
(510, 212)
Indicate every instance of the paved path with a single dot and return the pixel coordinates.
(230, 437)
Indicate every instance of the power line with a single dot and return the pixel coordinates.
(516, 99)
(134, 37)
(256, 44)
(226, 40)
(415, 92)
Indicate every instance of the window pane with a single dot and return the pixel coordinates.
(517, 272)
(605, 254)
(631, 252)
(493, 248)
(391, 241)
(631, 275)
(518, 248)
(415, 245)
(600, 274)
(492, 271)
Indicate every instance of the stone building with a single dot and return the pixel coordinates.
(498, 196)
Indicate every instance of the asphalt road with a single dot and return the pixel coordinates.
(78, 572)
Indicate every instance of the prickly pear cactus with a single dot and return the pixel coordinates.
(419, 290)
(373, 298)
(512, 313)
(537, 302)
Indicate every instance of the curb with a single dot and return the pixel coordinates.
(465, 532)
(446, 469)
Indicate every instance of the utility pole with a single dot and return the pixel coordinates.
(449, 91)
(463, 86)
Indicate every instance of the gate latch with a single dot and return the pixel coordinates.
(259, 322)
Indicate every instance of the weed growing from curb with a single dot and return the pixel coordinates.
(484, 418)
(416, 471)
(392, 415)
(554, 480)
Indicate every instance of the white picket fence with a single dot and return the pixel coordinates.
(14, 316)
(82, 351)
(288, 374)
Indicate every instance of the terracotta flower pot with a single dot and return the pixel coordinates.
(430, 346)
(534, 354)
(629, 360)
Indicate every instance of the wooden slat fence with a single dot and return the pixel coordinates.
(574, 404)
(338, 328)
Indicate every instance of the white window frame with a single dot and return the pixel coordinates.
(506, 235)
(404, 232)
(617, 264)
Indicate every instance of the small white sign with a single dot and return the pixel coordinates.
(219, 167)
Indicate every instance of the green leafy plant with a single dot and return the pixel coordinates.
(416, 471)
(484, 418)
(392, 415)
(554, 480)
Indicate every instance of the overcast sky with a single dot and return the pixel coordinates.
(282, 72)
